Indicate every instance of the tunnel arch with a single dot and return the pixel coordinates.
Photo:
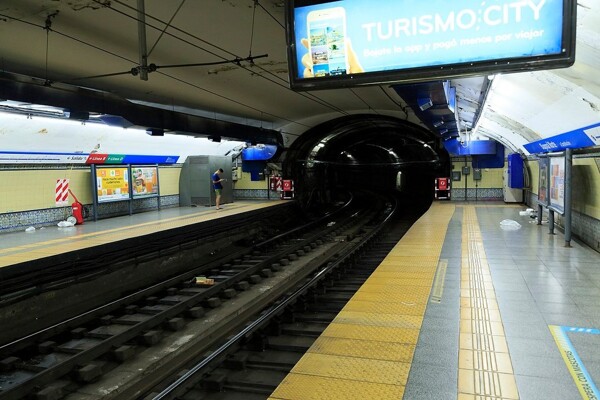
(365, 151)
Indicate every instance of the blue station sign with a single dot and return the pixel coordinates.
(588, 136)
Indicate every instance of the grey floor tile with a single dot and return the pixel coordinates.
(430, 353)
(587, 345)
(553, 298)
(584, 291)
(537, 331)
(522, 317)
(593, 369)
(541, 367)
(589, 300)
(534, 388)
(557, 308)
(427, 382)
(571, 319)
(546, 288)
(533, 347)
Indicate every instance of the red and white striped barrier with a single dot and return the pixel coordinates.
(62, 192)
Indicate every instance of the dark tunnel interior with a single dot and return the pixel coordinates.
(358, 152)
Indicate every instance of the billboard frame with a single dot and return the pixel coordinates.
(432, 72)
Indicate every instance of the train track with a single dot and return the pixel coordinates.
(252, 363)
(57, 360)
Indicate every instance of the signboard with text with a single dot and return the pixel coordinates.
(353, 42)
(112, 184)
(588, 136)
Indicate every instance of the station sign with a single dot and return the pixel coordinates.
(588, 136)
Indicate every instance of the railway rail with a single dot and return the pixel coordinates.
(57, 360)
(257, 358)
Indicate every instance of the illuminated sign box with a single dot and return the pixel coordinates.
(357, 42)
(112, 184)
(144, 180)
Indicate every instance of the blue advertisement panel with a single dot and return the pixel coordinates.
(352, 39)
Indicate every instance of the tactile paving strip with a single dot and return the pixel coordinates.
(485, 368)
(367, 351)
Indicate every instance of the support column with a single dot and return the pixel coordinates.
(568, 195)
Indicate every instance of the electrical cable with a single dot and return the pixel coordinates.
(166, 27)
(363, 100)
(284, 83)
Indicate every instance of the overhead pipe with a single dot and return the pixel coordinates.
(142, 40)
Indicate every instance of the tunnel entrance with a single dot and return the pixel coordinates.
(378, 153)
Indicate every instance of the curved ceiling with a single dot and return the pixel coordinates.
(65, 41)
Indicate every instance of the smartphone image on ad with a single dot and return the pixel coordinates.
(327, 41)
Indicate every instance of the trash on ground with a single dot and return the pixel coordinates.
(530, 212)
(30, 229)
(204, 281)
(509, 225)
(65, 224)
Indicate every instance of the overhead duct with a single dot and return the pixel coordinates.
(435, 104)
(35, 91)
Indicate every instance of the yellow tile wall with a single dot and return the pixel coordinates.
(244, 181)
(23, 190)
(491, 178)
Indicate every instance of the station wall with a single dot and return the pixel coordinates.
(488, 188)
(27, 193)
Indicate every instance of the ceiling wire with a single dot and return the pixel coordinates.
(252, 30)
(363, 100)
(70, 37)
(270, 15)
(166, 27)
(283, 84)
(161, 73)
(402, 107)
(232, 100)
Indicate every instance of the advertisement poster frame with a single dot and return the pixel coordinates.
(144, 181)
(111, 183)
(556, 183)
(543, 181)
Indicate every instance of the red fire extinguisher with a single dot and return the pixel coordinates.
(77, 209)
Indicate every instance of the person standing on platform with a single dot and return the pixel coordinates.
(216, 179)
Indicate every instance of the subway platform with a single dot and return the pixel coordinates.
(18, 249)
(464, 309)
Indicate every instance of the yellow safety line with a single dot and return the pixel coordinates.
(69, 243)
(367, 350)
(485, 367)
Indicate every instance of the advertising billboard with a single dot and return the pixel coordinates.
(112, 184)
(543, 182)
(144, 181)
(354, 42)
(557, 184)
